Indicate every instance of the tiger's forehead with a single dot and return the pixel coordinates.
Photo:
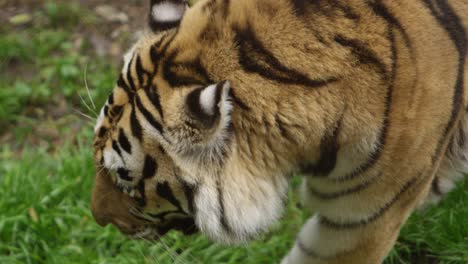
(118, 95)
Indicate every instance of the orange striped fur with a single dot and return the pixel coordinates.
(223, 101)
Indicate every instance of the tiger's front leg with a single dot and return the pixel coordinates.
(318, 243)
(352, 239)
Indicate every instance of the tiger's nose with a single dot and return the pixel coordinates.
(124, 227)
(110, 212)
(110, 206)
(102, 219)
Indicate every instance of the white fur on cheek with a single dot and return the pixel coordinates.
(168, 11)
(127, 58)
(249, 206)
(207, 99)
(99, 120)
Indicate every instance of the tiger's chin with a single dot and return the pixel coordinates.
(237, 216)
(154, 233)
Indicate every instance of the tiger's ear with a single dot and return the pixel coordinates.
(166, 14)
(210, 106)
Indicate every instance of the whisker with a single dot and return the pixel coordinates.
(168, 249)
(192, 256)
(87, 87)
(84, 115)
(139, 250)
(86, 105)
(101, 168)
(148, 242)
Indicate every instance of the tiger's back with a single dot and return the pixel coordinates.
(365, 98)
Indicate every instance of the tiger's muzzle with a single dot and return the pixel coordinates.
(109, 205)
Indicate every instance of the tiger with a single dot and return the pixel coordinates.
(222, 102)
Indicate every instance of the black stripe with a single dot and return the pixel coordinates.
(222, 211)
(155, 58)
(452, 24)
(328, 153)
(116, 112)
(124, 174)
(102, 132)
(110, 100)
(362, 52)
(350, 191)
(135, 126)
(379, 9)
(116, 148)
(166, 44)
(154, 54)
(123, 141)
(197, 67)
(382, 137)
(255, 58)
(165, 191)
(186, 225)
(150, 167)
(299, 7)
(163, 151)
(148, 116)
(130, 81)
(141, 72)
(190, 190)
(152, 93)
(106, 110)
(122, 84)
(141, 200)
(355, 224)
(158, 26)
(347, 11)
(238, 101)
(176, 79)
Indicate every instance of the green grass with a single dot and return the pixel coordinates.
(46, 180)
(46, 219)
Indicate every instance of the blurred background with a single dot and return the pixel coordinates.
(58, 62)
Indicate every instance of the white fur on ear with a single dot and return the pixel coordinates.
(206, 104)
(208, 99)
(224, 104)
(168, 11)
(215, 98)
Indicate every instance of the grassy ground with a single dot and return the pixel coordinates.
(46, 168)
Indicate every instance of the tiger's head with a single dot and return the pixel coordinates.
(137, 187)
(165, 144)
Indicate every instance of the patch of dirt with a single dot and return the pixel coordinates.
(119, 23)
